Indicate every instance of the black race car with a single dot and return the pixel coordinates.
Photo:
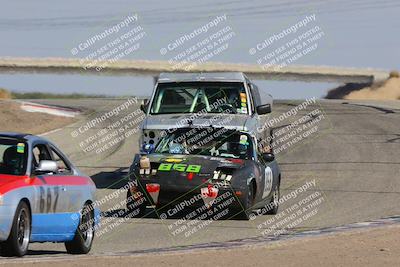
(192, 168)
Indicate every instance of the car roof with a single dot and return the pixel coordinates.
(202, 76)
(21, 136)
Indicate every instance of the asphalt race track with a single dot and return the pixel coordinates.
(353, 156)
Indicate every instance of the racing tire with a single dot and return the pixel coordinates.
(274, 202)
(18, 242)
(246, 213)
(134, 209)
(271, 142)
(84, 235)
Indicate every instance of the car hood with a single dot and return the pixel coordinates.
(173, 121)
(8, 182)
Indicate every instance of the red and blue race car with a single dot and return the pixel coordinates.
(43, 197)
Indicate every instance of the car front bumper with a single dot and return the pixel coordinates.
(6, 220)
(188, 195)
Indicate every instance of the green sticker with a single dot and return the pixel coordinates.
(20, 147)
(165, 167)
(179, 167)
(243, 140)
(193, 168)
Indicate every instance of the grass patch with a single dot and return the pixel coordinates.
(39, 95)
(394, 74)
(4, 94)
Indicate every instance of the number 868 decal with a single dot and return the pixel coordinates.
(179, 167)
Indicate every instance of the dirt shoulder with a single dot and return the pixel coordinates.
(386, 90)
(14, 119)
(390, 89)
(373, 247)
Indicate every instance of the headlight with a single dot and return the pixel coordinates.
(147, 148)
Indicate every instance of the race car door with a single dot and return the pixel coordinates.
(267, 174)
(268, 180)
(48, 218)
(72, 190)
(74, 186)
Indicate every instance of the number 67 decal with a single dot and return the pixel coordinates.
(45, 199)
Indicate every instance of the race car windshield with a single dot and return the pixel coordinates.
(205, 97)
(207, 142)
(13, 157)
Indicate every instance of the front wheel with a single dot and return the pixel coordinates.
(82, 242)
(18, 241)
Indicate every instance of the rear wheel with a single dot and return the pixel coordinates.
(18, 241)
(274, 202)
(82, 242)
(248, 203)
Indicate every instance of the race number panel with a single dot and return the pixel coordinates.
(268, 181)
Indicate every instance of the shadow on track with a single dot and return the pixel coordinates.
(111, 180)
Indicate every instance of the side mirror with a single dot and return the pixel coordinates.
(144, 105)
(264, 109)
(268, 157)
(47, 166)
